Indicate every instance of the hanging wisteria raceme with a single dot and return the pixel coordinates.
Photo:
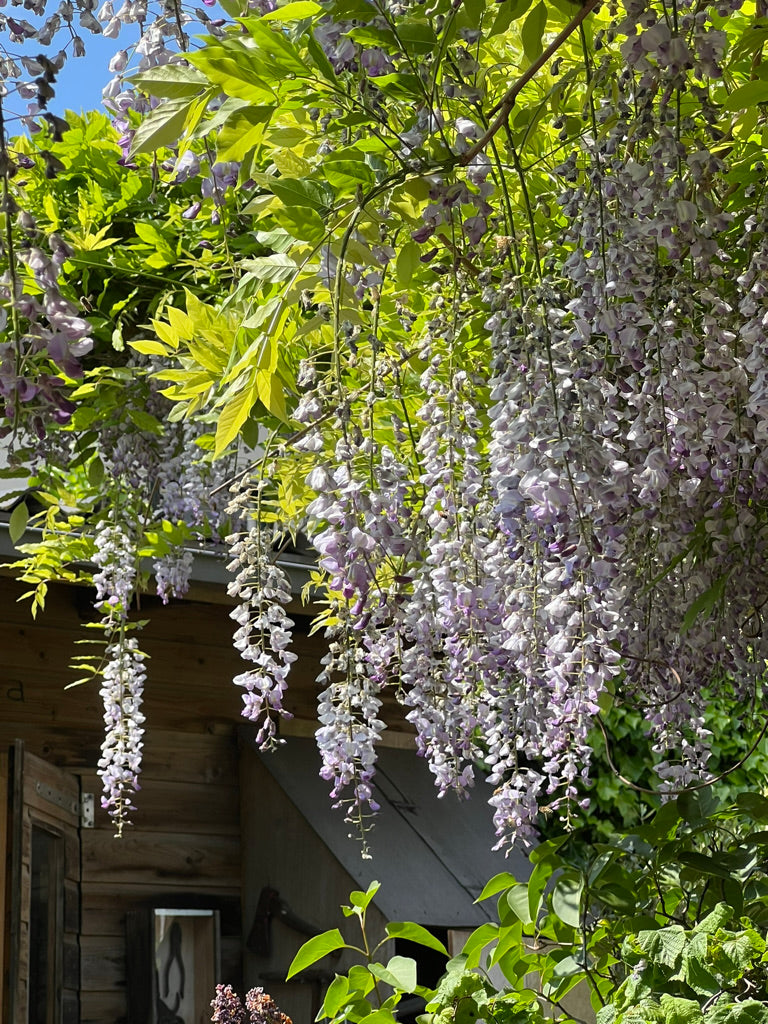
(122, 672)
(264, 628)
(601, 539)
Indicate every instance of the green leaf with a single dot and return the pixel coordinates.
(566, 900)
(532, 31)
(664, 946)
(335, 997)
(17, 523)
(415, 933)
(509, 11)
(704, 865)
(234, 414)
(346, 169)
(504, 880)
(163, 125)
(303, 223)
(517, 900)
(274, 48)
(96, 472)
(536, 885)
(379, 1017)
(400, 973)
(478, 940)
(747, 95)
(296, 191)
(317, 54)
(548, 848)
(754, 805)
(294, 11)
(715, 920)
(407, 263)
(705, 603)
(680, 1011)
(361, 900)
(417, 36)
(170, 81)
(315, 949)
(235, 69)
(277, 267)
(749, 1012)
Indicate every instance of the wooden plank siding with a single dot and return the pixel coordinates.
(205, 829)
(184, 844)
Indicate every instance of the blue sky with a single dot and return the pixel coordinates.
(81, 80)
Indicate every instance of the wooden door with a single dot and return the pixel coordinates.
(43, 904)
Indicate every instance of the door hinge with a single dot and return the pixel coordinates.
(55, 796)
(86, 810)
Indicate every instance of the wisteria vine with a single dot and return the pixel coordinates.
(523, 386)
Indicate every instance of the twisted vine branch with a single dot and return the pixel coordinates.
(505, 105)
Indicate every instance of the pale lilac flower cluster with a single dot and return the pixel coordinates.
(264, 628)
(172, 574)
(115, 582)
(606, 542)
(121, 751)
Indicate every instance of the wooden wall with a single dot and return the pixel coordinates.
(186, 837)
(281, 850)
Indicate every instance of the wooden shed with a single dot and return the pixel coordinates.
(233, 859)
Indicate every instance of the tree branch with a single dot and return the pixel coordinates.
(504, 107)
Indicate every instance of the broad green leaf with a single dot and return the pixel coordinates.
(346, 169)
(400, 973)
(533, 31)
(315, 949)
(17, 523)
(277, 267)
(170, 81)
(504, 880)
(517, 900)
(664, 946)
(415, 933)
(749, 1012)
(271, 394)
(536, 885)
(303, 223)
(747, 95)
(379, 1017)
(417, 36)
(704, 865)
(294, 11)
(508, 11)
(566, 900)
(274, 48)
(291, 164)
(754, 805)
(407, 263)
(236, 71)
(317, 54)
(361, 900)
(296, 191)
(145, 421)
(149, 348)
(233, 416)
(680, 1011)
(335, 997)
(477, 941)
(162, 126)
